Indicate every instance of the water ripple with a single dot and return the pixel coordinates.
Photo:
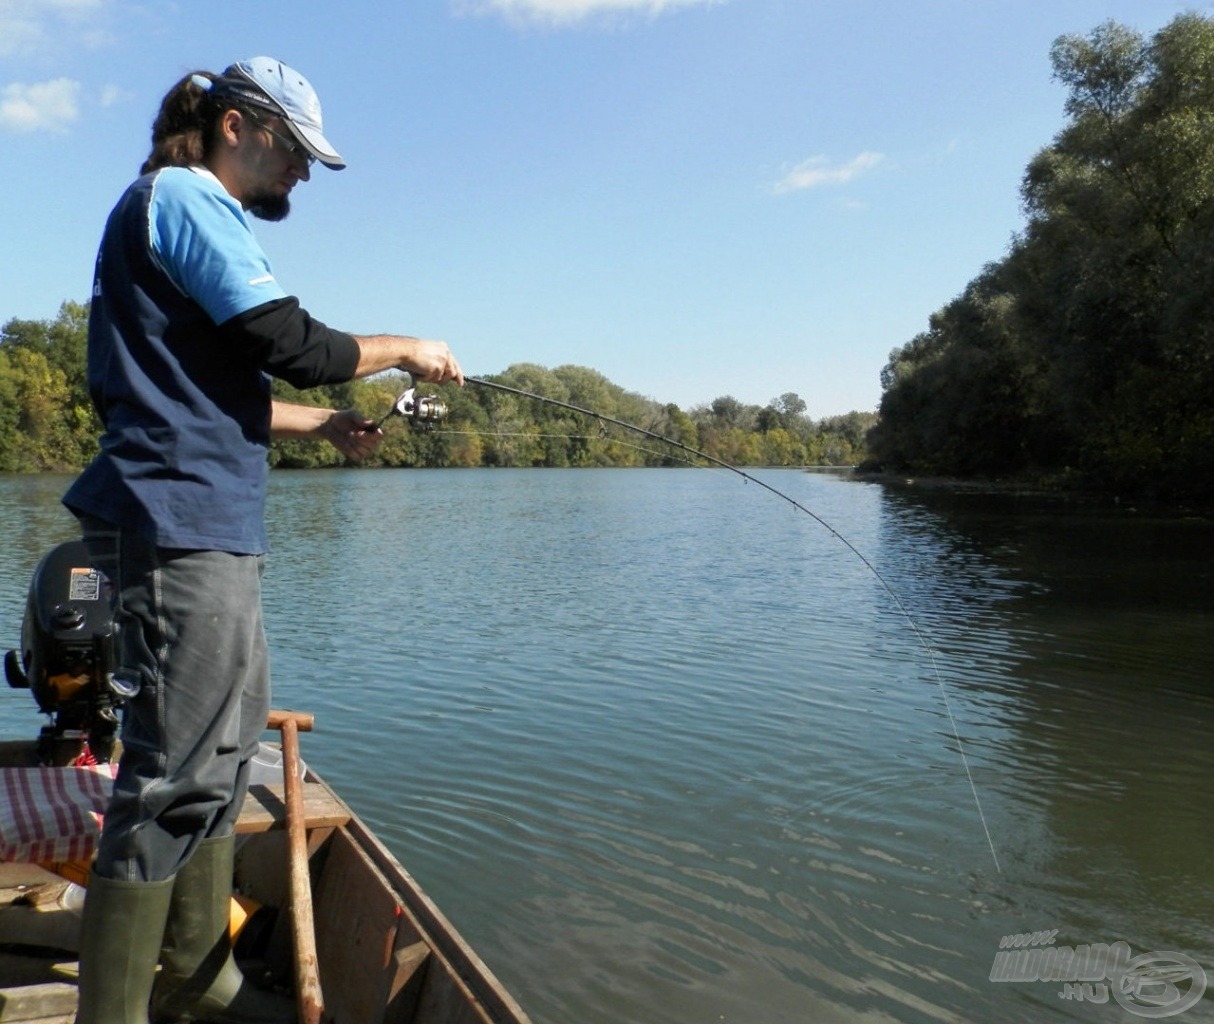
(666, 751)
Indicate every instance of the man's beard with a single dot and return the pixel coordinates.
(270, 206)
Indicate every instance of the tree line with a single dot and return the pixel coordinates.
(47, 420)
(1086, 354)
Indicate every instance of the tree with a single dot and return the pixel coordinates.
(1091, 345)
(49, 405)
(729, 412)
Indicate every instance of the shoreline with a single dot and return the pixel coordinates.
(1042, 489)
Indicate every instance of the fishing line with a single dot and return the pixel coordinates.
(748, 478)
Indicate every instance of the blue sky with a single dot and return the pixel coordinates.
(694, 197)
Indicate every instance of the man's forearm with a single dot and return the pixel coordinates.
(431, 361)
(382, 352)
(288, 420)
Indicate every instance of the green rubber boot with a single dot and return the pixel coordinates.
(119, 941)
(199, 979)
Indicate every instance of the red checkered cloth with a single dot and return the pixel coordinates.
(52, 814)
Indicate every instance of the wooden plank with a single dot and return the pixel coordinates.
(406, 977)
(30, 914)
(265, 808)
(445, 999)
(37, 1002)
(358, 930)
(466, 968)
(17, 876)
(259, 870)
(20, 969)
(50, 928)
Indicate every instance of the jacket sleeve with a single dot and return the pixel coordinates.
(286, 342)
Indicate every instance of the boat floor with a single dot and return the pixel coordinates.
(39, 938)
(37, 979)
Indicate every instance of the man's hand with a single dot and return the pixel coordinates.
(351, 433)
(432, 362)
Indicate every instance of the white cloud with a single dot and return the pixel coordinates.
(43, 106)
(568, 12)
(818, 171)
(29, 26)
(112, 95)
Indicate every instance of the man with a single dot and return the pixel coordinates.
(187, 320)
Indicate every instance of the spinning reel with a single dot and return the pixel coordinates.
(422, 411)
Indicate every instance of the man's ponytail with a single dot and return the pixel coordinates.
(181, 133)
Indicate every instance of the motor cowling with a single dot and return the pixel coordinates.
(66, 657)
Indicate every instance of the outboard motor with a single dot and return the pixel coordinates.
(67, 655)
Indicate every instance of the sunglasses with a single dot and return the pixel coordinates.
(293, 148)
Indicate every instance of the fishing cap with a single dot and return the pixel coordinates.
(269, 84)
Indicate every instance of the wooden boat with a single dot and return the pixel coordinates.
(386, 953)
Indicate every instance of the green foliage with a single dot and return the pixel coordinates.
(47, 420)
(46, 417)
(1089, 349)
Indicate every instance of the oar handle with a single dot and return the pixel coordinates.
(303, 720)
(309, 999)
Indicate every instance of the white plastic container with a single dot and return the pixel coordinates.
(266, 766)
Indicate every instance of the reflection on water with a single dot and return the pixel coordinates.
(666, 751)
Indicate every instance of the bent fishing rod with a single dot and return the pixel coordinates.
(426, 411)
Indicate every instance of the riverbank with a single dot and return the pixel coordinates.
(1050, 488)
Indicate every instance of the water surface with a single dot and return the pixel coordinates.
(667, 751)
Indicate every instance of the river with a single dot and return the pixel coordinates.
(668, 751)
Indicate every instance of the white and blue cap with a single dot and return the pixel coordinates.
(269, 84)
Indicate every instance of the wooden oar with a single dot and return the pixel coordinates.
(307, 972)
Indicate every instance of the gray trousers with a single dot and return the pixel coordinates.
(190, 630)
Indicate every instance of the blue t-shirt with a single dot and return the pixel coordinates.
(186, 414)
(202, 239)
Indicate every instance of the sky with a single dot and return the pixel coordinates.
(696, 198)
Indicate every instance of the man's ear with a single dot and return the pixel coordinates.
(229, 128)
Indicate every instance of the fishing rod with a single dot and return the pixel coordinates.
(426, 411)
